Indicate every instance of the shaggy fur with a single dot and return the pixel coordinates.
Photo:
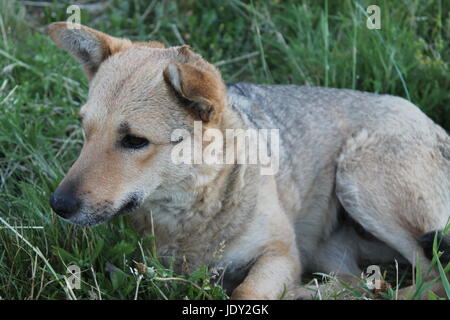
(347, 159)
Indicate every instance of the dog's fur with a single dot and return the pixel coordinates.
(349, 159)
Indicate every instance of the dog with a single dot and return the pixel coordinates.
(362, 176)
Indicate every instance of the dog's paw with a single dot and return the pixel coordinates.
(245, 293)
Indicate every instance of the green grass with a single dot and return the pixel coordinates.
(301, 42)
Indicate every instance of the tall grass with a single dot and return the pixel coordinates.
(301, 42)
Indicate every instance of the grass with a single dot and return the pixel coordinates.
(322, 43)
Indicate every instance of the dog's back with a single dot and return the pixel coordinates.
(318, 127)
(315, 122)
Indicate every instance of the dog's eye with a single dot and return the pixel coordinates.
(133, 142)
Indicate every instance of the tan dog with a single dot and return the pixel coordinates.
(348, 160)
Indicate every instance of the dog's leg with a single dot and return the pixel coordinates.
(338, 256)
(276, 259)
(272, 273)
(397, 188)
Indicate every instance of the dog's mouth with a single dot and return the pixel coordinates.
(130, 205)
(93, 217)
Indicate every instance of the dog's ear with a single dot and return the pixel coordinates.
(90, 47)
(201, 86)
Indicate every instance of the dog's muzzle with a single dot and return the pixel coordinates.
(70, 207)
(65, 204)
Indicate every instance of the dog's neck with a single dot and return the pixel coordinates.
(212, 215)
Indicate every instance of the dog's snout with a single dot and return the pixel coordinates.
(64, 204)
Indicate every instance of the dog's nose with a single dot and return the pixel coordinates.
(64, 204)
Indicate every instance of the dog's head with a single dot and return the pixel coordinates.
(139, 93)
